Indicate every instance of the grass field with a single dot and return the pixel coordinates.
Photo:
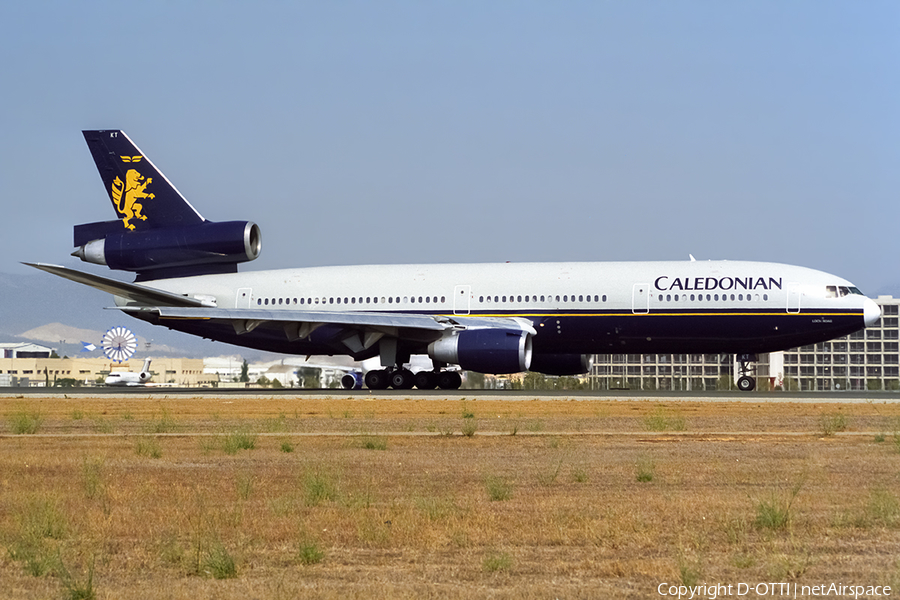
(360, 498)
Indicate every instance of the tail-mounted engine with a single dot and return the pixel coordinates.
(199, 249)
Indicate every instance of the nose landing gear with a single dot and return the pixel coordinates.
(745, 382)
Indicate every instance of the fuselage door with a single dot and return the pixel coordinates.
(461, 296)
(243, 298)
(793, 298)
(640, 298)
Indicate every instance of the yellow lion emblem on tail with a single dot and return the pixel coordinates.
(126, 195)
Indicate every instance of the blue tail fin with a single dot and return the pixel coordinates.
(158, 233)
(140, 194)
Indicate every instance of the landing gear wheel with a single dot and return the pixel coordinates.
(449, 380)
(402, 379)
(746, 384)
(377, 380)
(426, 380)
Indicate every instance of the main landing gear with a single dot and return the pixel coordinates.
(404, 379)
(745, 382)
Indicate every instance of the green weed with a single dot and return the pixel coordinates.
(162, 424)
(91, 477)
(219, 563)
(318, 487)
(497, 561)
(645, 469)
(774, 512)
(373, 442)
(309, 553)
(498, 489)
(661, 420)
(238, 440)
(148, 446)
(24, 423)
(833, 423)
(77, 589)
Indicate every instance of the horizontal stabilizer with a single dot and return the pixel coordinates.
(132, 291)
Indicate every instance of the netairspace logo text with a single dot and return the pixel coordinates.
(772, 590)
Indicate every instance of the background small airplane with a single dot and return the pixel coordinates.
(130, 378)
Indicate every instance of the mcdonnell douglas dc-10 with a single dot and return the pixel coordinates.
(489, 318)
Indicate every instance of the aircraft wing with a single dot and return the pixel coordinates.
(132, 291)
(248, 318)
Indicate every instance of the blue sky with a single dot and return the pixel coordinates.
(391, 132)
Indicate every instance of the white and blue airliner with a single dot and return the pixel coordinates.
(489, 318)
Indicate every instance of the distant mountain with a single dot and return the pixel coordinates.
(51, 311)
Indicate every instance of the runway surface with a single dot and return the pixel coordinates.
(848, 397)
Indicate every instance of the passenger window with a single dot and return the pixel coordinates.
(604, 297)
(267, 301)
(518, 298)
(716, 296)
(692, 297)
(259, 301)
(565, 298)
(581, 298)
(442, 299)
(765, 296)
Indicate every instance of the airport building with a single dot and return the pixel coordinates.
(866, 360)
(31, 372)
(25, 350)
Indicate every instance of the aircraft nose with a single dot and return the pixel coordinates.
(871, 312)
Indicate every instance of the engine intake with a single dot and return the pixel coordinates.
(485, 350)
(175, 251)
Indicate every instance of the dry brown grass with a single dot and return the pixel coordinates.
(157, 503)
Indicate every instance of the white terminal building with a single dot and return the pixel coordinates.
(866, 360)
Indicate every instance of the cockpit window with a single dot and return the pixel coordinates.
(839, 291)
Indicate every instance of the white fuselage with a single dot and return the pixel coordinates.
(727, 306)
